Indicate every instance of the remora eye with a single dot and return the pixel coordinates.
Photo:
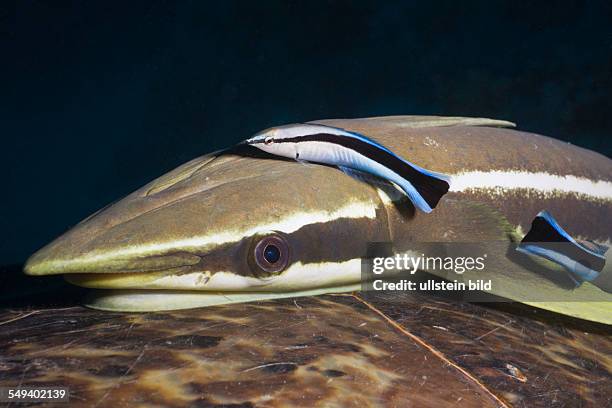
(271, 253)
(268, 140)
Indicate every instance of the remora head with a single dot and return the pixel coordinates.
(225, 223)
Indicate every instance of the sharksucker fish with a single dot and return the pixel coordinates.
(234, 226)
(351, 150)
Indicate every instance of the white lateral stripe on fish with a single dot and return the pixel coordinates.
(286, 224)
(338, 147)
(542, 182)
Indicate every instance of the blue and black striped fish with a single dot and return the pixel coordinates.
(585, 261)
(350, 150)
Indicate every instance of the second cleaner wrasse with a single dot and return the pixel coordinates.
(585, 261)
(353, 151)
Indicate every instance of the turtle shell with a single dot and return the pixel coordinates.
(359, 350)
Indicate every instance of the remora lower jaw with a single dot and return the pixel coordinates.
(297, 277)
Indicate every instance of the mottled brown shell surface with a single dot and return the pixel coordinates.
(333, 350)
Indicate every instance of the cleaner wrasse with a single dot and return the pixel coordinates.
(584, 261)
(353, 151)
(240, 225)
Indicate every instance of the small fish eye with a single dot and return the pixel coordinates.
(268, 140)
(271, 254)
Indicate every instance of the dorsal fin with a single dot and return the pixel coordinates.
(415, 121)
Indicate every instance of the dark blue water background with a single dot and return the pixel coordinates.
(98, 98)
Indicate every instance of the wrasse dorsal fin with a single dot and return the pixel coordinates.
(549, 240)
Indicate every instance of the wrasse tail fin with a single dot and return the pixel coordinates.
(425, 188)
